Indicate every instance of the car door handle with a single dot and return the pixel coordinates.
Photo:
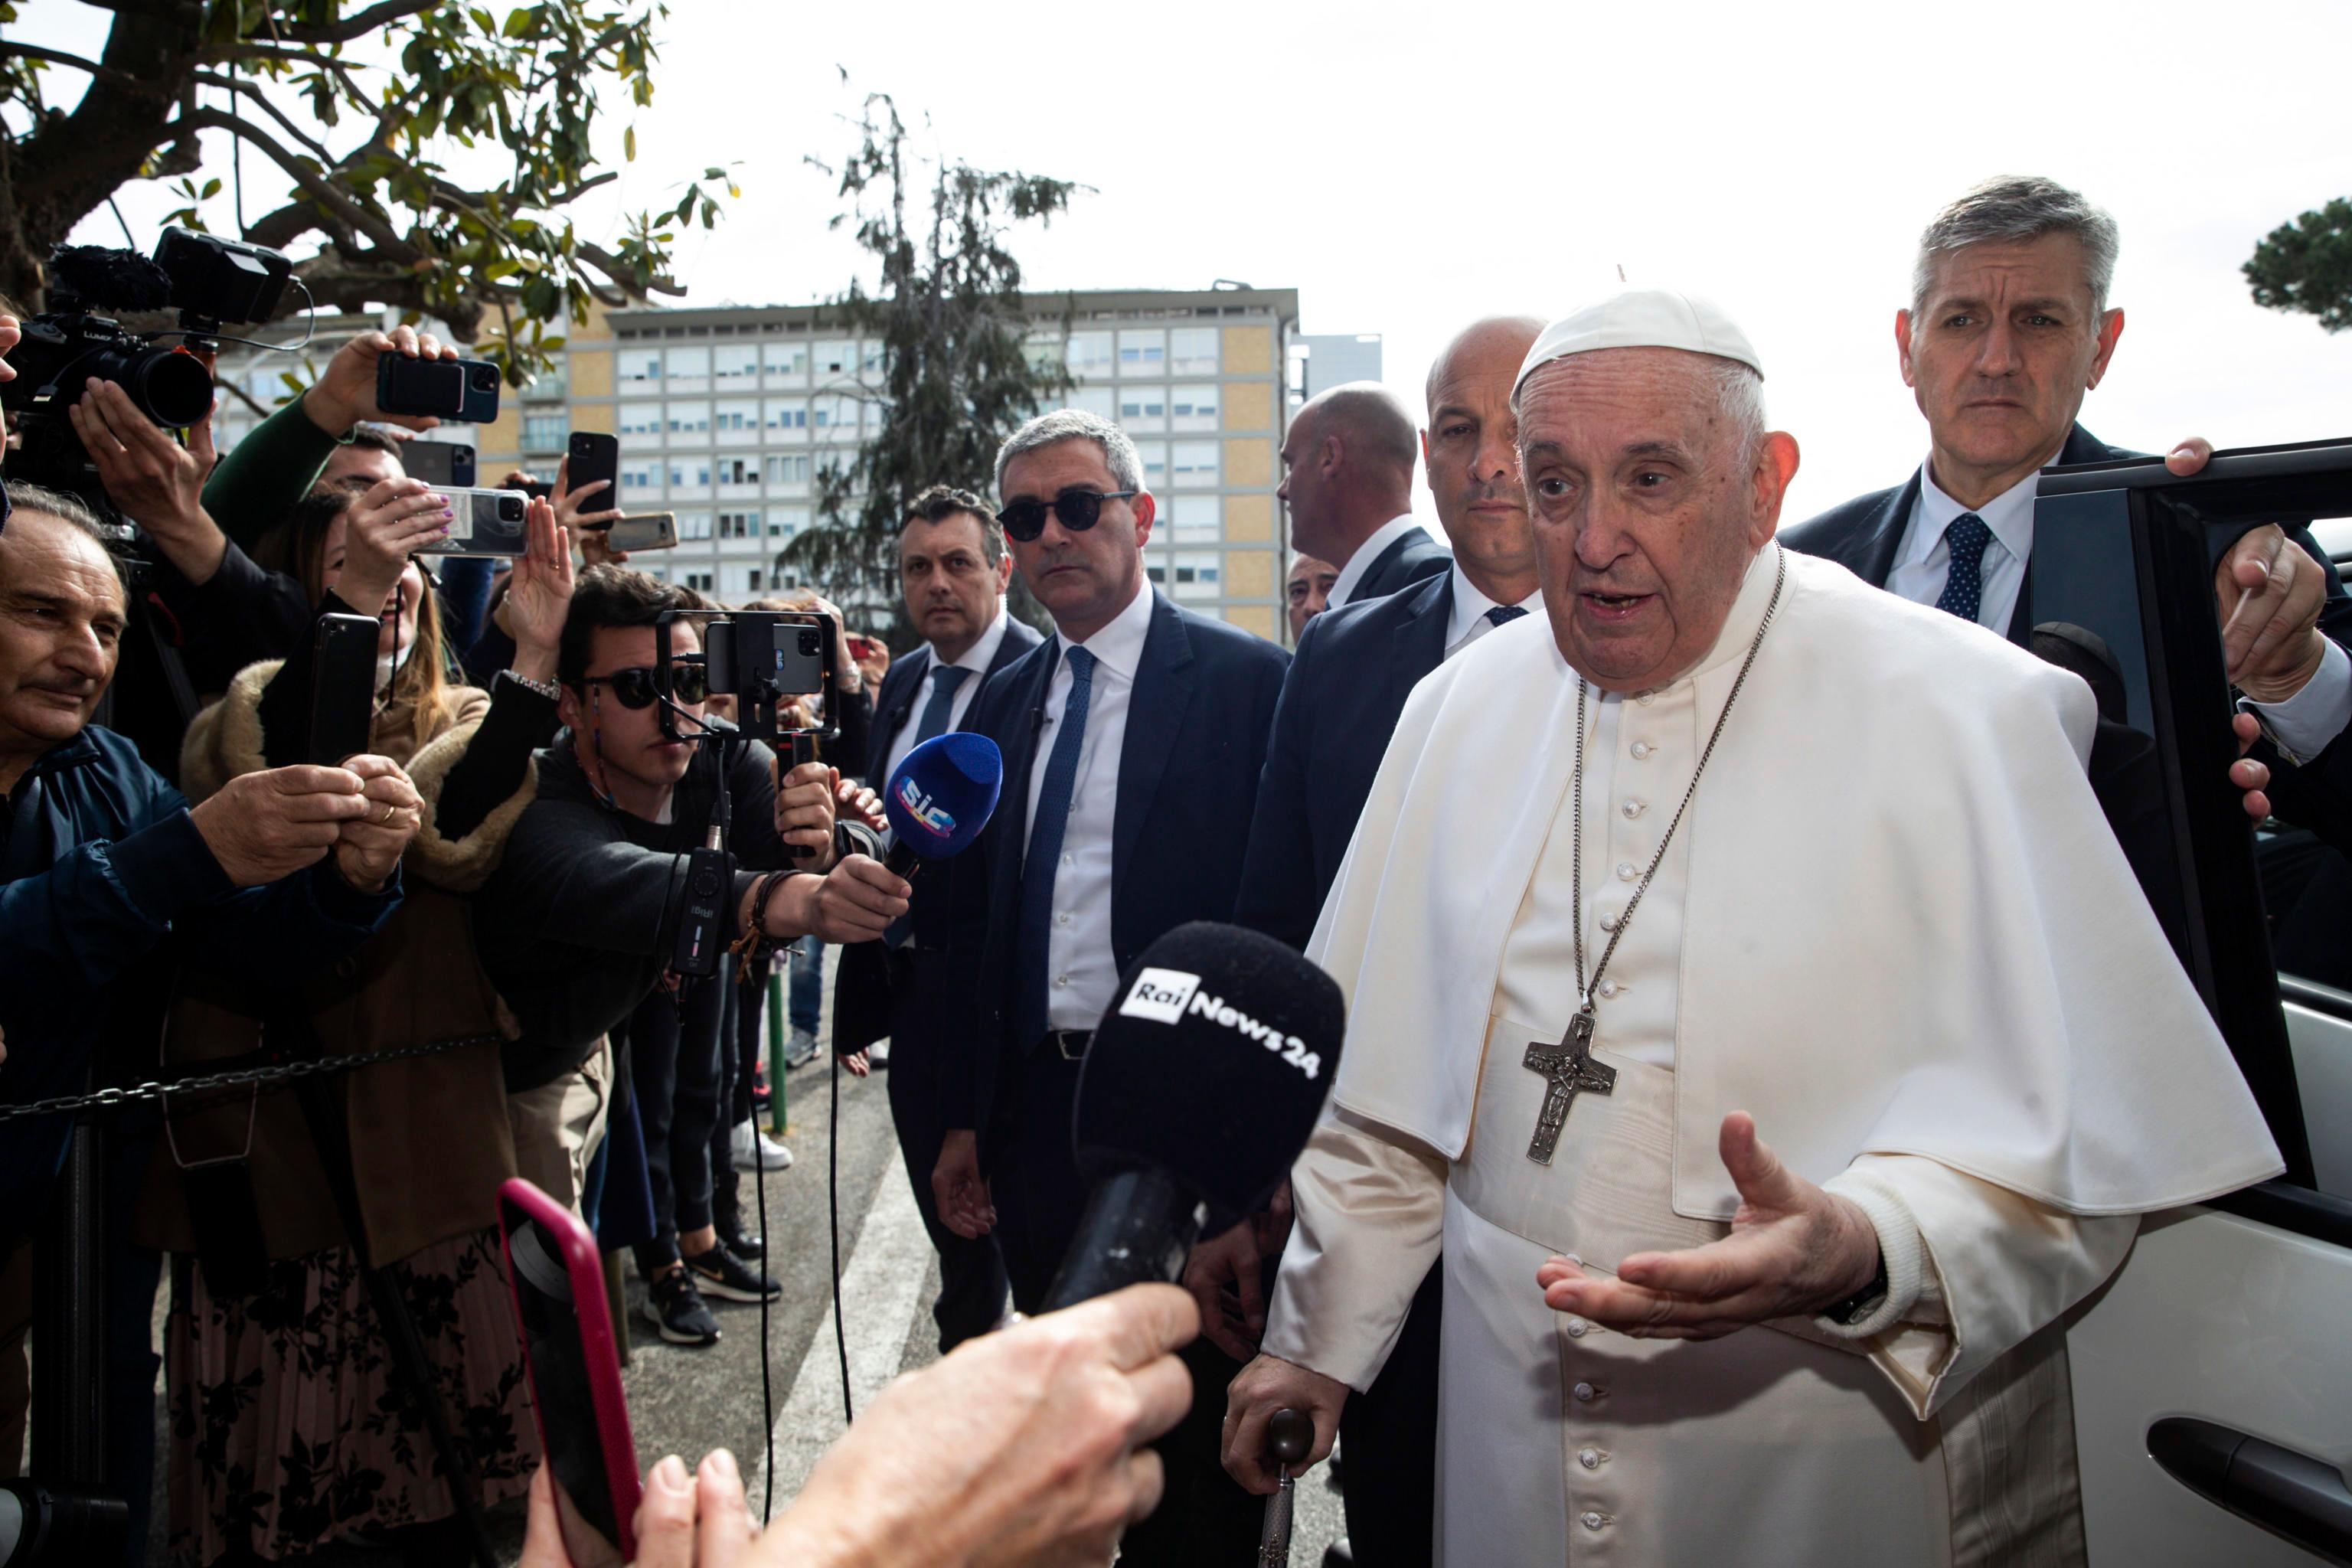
(2295, 1495)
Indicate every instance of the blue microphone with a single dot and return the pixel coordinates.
(942, 796)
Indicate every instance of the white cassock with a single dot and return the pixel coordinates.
(1895, 927)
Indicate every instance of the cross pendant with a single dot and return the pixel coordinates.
(1566, 1067)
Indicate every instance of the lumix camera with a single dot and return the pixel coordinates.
(210, 281)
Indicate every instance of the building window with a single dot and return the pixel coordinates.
(787, 469)
(641, 364)
(755, 580)
(1089, 353)
(1192, 350)
(736, 417)
(788, 413)
(1193, 408)
(1143, 353)
(545, 432)
(693, 472)
(1195, 463)
(839, 415)
(835, 357)
(700, 581)
(1155, 462)
(693, 525)
(690, 363)
(639, 476)
(785, 359)
(1197, 575)
(739, 470)
(731, 361)
(1143, 408)
(869, 359)
(1196, 519)
(687, 419)
(1098, 401)
(641, 419)
(738, 525)
(786, 521)
(1157, 573)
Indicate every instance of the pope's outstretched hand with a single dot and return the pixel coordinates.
(1794, 1249)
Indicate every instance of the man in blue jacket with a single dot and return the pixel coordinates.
(108, 880)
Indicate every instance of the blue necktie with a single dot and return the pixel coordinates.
(945, 680)
(1034, 932)
(1963, 593)
(1503, 614)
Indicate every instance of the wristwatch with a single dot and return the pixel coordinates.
(1863, 1302)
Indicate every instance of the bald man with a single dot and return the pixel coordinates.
(1355, 666)
(1346, 480)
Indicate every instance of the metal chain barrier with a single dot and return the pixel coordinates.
(278, 1072)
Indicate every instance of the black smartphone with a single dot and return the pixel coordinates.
(594, 455)
(342, 687)
(461, 389)
(438, 462)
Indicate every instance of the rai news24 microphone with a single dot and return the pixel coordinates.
(941, 797)
(1198, 1090)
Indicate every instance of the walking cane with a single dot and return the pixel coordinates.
(1289, 1435)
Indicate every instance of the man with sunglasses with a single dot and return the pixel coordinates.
(1133, 738)
(577, 925)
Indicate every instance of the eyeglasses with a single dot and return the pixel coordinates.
(1079, 509)
(636, 686)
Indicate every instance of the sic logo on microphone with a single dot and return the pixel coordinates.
(925, 811)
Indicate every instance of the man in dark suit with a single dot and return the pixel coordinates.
(952, 570)
(1133, 738)
(2009, 328)
(1347, 481)
(1348, 683)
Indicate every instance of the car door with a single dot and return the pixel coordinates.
(2212, 1374)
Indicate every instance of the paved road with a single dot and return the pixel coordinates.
(688, 1401)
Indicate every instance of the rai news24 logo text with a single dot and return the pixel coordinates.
(1166, 996)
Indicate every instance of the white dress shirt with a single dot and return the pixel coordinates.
(2303, 725)
(1081, 967)
(976, 660)
(1467, 622)
(1343, 587)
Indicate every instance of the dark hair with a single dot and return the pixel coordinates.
(942, 502)
(607, 597)
(373, 439)
(74, 513)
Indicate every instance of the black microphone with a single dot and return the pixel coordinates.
(1198, 1090)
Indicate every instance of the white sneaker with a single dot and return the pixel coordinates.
(747, 1145)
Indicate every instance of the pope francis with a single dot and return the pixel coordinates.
(1728, 847)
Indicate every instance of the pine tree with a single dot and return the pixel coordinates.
(2307, 266)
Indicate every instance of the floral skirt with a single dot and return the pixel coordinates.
(289, 1426)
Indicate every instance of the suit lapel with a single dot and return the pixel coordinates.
(899, 686)
(1419, 646)
(1163, 690)
(1882, 535)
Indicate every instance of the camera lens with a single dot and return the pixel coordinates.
(810, 644)
(485, 378)
(510, 505)
(172, 389)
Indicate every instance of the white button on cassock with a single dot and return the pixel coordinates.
(1589, 1458)
(1609, 921)
(1645, 698)
(1576, 1327)
(1634, 808)
(1642, 749)
(1585, 1393)
(1627, 871)
(1592, 1520)
(1609, 988)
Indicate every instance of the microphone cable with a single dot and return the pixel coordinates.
(833, 1207)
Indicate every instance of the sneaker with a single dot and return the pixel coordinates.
(746, 1145)
(720, 1273)
(675, 1307)
(802, 1051)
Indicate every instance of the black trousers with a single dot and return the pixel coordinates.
(674, 1064)
(1205, 1517)
(739, 1062)
(1390, 1434)
(972, 1273)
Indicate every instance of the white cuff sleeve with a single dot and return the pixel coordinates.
(1898, 1246)
(2306, 723)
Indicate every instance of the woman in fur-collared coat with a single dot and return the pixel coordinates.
(289, 1424)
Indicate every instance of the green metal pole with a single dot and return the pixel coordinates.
(776, 1118)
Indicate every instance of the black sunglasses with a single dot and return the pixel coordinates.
(636, 687)
(1079, 509)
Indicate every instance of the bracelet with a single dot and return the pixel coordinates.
(547, 688)
(755, 943)
(1863, 1302)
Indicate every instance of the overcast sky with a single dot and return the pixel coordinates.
(1407, 169)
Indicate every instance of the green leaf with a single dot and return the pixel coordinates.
(629, 143)
(520, 22)
(212, 188)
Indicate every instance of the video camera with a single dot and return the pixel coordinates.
(211, 281)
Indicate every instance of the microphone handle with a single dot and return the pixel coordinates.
(900, 861)
(1138, 1227)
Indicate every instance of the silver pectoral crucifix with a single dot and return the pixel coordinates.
(1566, 1067)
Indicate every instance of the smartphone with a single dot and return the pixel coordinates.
(462, 389)
(558, 1284)
(438, 462)
(592, 456)
(654, 530)
(342, 687)
(489, 522)
(862, 646)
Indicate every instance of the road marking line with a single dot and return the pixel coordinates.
(881, 1291)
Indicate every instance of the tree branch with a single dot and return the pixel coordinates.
(238, 84)
(358, 24)
(316, 186)
(98, 72)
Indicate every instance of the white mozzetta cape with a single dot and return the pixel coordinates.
(1907, 927)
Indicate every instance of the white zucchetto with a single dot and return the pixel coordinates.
(1643, 319)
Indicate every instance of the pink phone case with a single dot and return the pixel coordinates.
(586, 1272)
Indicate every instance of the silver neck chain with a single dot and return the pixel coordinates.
(1576, 876)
